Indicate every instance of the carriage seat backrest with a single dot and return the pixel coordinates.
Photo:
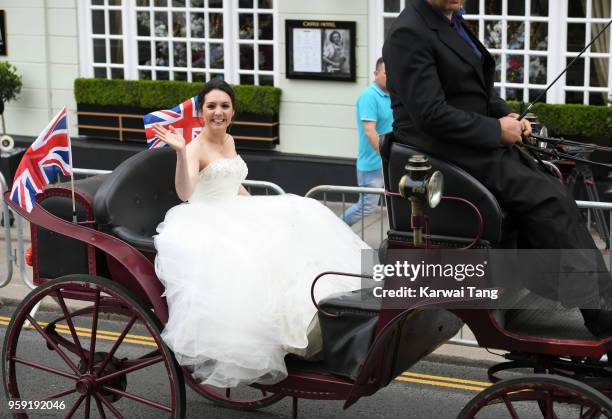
(135, 197)
(450, 219)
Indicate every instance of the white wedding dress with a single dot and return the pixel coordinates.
(238, 272)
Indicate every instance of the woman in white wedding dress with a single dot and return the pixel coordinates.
(238, 268)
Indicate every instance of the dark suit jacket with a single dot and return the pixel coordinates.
(442, 94)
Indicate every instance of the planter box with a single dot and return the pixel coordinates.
(123, 123)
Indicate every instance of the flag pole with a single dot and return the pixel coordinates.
(74, 213)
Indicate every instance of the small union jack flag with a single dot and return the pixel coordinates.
(183, 117)
(48, 155)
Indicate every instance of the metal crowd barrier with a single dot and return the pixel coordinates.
(248, 184)
(353, 190)
(272, 188)
(6, 216)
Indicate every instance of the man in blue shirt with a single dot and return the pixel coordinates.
(374, 118)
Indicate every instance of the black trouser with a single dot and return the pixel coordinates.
(546, 217)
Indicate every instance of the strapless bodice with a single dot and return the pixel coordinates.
(219, 180)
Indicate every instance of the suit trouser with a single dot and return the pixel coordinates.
(546, 217)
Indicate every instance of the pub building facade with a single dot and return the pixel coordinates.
(53, 42)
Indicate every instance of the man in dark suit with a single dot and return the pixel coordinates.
(440, 78)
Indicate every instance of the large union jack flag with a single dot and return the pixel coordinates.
(48, 155)
(183, 117)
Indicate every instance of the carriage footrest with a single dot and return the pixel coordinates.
(347, 337)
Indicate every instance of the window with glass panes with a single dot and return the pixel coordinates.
(192, 40)
(255, 39)
(533, 40)
(106, 50)
(180, 39)
(588, 80)
(516, 34)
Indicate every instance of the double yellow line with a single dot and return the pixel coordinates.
(440, 381)
(100, 334)
(411, 377)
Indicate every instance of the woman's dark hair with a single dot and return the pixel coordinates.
(215, 84)
(331, 35)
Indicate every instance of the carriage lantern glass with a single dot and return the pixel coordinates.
(420, 183)
(435, 188)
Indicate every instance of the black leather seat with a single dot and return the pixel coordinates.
(134, 199)
(452, 220)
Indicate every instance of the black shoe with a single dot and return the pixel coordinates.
(598, 321)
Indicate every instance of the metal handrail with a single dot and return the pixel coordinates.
(23, 274)
(7, 234)
(343, 189)
(90, 172)
(247, 183)
(595, 205)
(263, 184)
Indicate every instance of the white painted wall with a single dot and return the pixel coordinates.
(318, 117)
(42, 44)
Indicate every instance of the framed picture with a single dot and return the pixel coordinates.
(320, 50)
(2, 33)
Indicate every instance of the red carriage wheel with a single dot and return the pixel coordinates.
(96, 352)
(240, 398)
(523, 397)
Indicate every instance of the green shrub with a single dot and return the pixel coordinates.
(572, 120)
(575, 120)
(516, 106)
(10, 82)
(609, 120)
(165, 94)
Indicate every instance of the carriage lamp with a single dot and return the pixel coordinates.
(418, 185)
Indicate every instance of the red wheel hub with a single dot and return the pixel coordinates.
(86, 385)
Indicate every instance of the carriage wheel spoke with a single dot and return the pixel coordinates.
(592, 413)
(137, 398)
(109, 406)
(59, 394)
(132, 368)
(264, 393)
(100, 408)
(509, 406)
(550, 413)
(94, 330)
(228, 393)
(53, 344)
(75, 338)
(149, 354)
(44, 368)
(75, 407)
(87, 406)
(117, 343)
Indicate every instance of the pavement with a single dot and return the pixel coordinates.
(369, 230)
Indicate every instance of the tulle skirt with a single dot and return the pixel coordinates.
(238, 274)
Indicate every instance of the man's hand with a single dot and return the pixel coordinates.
(369, 128)
(526, 125)
(511, 130)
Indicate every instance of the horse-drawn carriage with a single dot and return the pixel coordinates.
(100, 268)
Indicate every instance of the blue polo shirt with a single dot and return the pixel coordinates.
(372, 105)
